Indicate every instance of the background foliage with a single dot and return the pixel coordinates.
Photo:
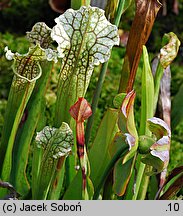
(26, 13)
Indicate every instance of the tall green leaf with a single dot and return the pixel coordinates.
(27, 70)
(56, 143)
(85, 39)
(147, 100)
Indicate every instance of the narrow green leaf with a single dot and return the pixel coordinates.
(99, 155)
(169, 188)
(177, 112)
(147, 104)
(147, 100)
(85, 39)
(173, 189)
(74, 192)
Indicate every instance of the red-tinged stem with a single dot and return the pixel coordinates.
(80, 149)
(80, 111)
(80, 139)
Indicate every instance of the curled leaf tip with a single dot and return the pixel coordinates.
(81, 110)
(170, 49)
(128, 103)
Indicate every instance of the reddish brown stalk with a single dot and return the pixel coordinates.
(80, 111)
(146, 11)
(80, 139)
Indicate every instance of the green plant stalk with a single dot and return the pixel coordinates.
(36, 162)
(46, 175)
(139, 179)
(7, 164)
(147, 103)
(101, 79)
(144, 185)
(57, 181)
(77, 4)
(120, 153)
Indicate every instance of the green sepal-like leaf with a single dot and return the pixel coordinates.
(85, 39)
(170, 49)
(155, 162)
(126, 125)
(159, 151)
(122, 174)
(117, 142)
(118, 99)
(145, 142)
(56, 143)
(122, 171)
(158, 127)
